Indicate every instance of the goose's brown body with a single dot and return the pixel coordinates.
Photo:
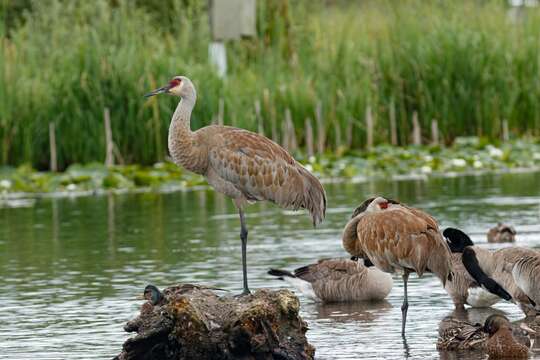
(526, 274)
(498, 265)
(463, 289)
(339, 280)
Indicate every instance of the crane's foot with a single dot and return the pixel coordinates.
(246, 292)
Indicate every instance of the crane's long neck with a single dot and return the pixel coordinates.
(183, 146)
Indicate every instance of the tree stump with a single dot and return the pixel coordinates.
(192, 322)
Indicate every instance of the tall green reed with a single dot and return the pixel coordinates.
(466, 64)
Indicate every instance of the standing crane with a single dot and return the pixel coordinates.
(245, 166)
(395, 237)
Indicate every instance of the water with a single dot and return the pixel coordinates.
(71, 269)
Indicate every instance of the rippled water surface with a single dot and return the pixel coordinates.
(71, 268)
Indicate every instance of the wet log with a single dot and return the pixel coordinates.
(192, 322)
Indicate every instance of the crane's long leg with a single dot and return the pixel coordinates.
(243, 238)
(405, 305)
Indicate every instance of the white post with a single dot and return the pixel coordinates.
(52, 144)
(417, 132)
(434, 132)
(217, 52)
(109, 156)
(369, 128)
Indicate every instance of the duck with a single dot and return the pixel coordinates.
(338, 280)
(153, 295)
(497, 337)
(501, 342)
(501, 233)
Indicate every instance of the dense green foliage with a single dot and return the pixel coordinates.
(468, 64)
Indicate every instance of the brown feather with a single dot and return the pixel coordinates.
(262, 170)
(399, 237)
(341, 280)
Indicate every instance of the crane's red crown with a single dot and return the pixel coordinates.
(175, 82)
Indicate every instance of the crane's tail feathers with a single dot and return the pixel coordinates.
(314, 199)
(470, 262)
(280, 273)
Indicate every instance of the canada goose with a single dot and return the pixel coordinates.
(338, 280)
(462, 288)
(493, 269)
(395, 237)
(526, 274)
(501, 233)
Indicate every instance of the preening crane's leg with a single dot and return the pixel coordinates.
(243, 238)
(405, 305)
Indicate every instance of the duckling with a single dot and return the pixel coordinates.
(501, 342)
(501, 233)
(497, 337)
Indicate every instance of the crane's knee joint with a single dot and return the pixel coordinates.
(405, 307)
(243, 234)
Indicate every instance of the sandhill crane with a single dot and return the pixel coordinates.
(338, 280)
(243, 165)
(501, 233)
(463, 289)
(395, 237)
(493, 269)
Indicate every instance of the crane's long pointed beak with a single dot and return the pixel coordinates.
(161, 90)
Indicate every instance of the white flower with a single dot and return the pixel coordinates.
(428, 158)
(5, 184)
(458, 162)
(536, 156)
(495, 152)
(309, 167)
(425, 169)
(312, 159)
(71, 187)
(477, 164)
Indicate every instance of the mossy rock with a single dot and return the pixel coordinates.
(192, 322)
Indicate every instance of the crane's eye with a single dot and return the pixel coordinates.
(175, 82)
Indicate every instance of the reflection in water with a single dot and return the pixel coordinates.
(72, 268)
(347, 312)
(475, 315)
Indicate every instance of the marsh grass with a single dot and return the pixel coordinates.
(465, 63)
